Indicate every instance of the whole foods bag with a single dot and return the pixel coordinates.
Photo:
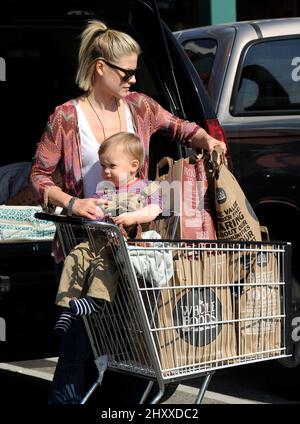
(195, 314)
(235, 218)
(186, 202)
(258, 307)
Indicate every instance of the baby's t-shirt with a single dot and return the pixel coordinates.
(128, 198)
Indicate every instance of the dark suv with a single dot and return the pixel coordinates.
(39, 50)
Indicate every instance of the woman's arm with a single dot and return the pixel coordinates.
(202, 140)
(86, 208)
(179, 129)
(47, 157)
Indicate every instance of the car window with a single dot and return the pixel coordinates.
(269, 81)
(202, 53)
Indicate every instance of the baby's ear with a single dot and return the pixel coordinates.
(135, 165)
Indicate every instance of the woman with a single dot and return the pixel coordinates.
(106, 72)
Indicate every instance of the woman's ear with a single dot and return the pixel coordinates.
(99, 67)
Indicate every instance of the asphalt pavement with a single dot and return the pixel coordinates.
(29, 381)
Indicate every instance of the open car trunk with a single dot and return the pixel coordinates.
(38, 44)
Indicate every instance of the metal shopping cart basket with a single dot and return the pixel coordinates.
(184, 309)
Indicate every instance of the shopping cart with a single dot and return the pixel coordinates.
(209, 305)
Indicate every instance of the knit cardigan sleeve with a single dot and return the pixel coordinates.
(159, 119)
(150, 117)
(57, 150)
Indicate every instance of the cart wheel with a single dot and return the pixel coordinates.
(170, 389)
(125, 389)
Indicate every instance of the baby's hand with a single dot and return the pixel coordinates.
(127, 219)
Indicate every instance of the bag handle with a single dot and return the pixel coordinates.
(216, 159)
(164, 162)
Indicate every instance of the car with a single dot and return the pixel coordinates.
(251, 72)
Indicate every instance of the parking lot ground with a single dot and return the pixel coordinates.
(235, 385)
(43, 369)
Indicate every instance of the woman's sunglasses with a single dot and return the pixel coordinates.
(128, 73)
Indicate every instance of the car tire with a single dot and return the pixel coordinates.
(281, 380)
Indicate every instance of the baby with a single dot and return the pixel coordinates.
(129, 200)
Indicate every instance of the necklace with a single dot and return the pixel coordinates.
(98, 117)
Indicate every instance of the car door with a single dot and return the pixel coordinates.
(263, 119)
(254, 86)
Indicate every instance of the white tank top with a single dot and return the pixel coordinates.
(91, 169)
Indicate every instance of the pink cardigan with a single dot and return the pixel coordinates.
(60, 143)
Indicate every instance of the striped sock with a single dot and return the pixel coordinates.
(64, 322)
(85, 306)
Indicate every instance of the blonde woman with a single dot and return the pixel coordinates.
(106, 72)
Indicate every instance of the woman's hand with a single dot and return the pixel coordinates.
(202, 140)
(89, 208)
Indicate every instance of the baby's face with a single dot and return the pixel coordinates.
(117, 166)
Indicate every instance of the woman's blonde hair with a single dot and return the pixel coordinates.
(98, 41)
(131, 144)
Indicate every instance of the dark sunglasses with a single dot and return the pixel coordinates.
(128, 73)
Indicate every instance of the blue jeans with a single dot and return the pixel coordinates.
(68, 385)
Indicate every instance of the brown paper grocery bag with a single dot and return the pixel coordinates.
(186, 202)
(235, 218)
(193, 315)
(258, 308)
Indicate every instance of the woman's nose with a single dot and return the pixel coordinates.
(132, 80)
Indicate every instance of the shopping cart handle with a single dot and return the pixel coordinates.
(77, 220)
(60, 218)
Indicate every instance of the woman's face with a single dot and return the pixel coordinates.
(118, 81)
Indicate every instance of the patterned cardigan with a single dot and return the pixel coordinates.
(59, 146)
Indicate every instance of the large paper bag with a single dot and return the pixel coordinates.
(235, 218)
(186, 202)
(195, 317)
(258, 307)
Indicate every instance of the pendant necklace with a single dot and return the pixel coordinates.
(98, 117)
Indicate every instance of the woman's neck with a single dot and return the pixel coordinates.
(103, 101)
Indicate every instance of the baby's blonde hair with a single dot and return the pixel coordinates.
(98, 41)
(131, 144)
